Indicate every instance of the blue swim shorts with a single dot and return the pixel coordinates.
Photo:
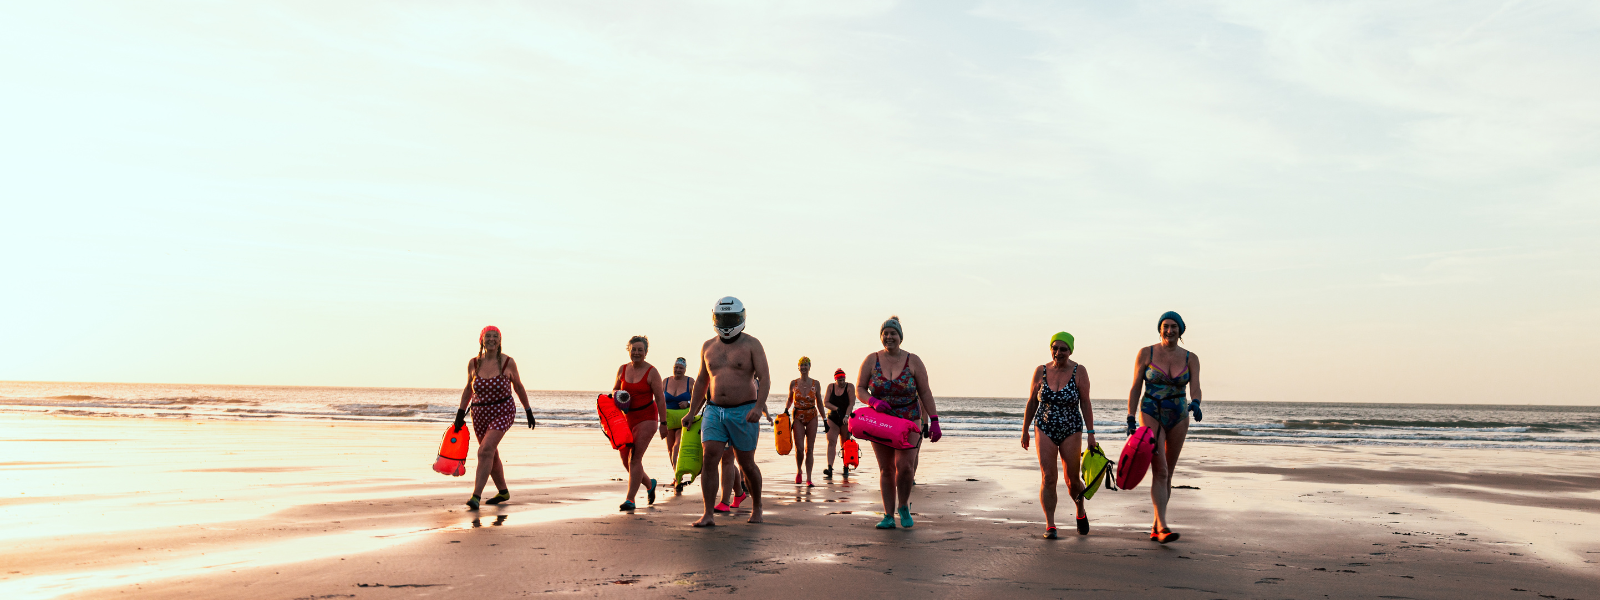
(728, 425)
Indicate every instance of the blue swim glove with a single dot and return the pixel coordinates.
(1194, 407)
(1133, 424)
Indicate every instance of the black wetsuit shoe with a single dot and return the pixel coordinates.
(1083, 525)
(1049, 533)
(503, 496)
(827, 473)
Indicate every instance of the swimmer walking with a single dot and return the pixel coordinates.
(840, 397)
(907, 396)
(732, 389)
(804, 397)
(1058, 407)
(1161, 372)
(491, 377)
(677, 405)
(646, 417)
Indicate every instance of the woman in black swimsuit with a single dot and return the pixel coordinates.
(1062, 388)
(840, 397)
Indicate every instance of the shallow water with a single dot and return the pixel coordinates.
(1436, 425)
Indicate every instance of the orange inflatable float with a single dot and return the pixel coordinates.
(614, 422)
(852, 454)
(783, 433)
(453, 452)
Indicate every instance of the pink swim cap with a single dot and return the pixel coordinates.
(486, 331)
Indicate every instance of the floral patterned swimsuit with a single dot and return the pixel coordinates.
(900, 392)
(1060, 416)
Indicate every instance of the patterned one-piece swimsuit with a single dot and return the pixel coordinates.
(900, 392)
(1165, 397)
(1060, 415)
(492, 407)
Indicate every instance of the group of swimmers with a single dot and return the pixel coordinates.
(729, 399)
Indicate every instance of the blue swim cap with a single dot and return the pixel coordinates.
(1175, 317)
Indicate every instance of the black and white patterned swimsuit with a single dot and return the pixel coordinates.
(1058, 415)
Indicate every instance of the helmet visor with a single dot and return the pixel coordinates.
(727, 320)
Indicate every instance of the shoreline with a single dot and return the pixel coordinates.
(209, 508)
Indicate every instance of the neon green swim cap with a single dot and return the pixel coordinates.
(1064, 337)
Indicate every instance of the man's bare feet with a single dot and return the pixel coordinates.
(755, 513)
(705, 521)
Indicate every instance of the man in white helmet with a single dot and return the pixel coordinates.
(732, 388)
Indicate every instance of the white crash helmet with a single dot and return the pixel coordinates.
(728, 318)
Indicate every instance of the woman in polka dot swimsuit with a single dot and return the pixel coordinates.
(492, 378)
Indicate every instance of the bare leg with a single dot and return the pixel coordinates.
(905, 471)
(710, 479)
(752, 481)
(672, 446)
(811, 446)
(1160, 474)
(642, 433)
(1071, 456)
(886, 475)
(488, 459)
(730, 476)
(498, 472)
(833, 446)
(1174, 444)
(1047, 451)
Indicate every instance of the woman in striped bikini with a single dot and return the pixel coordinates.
(491, 377)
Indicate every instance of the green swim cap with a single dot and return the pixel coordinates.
(1064, 337)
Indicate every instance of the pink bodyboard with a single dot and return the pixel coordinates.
(1136, 453)
(889, 430)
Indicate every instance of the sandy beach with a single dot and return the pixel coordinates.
(95, 508)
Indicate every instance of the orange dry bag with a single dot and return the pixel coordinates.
(852, 454)
(453, 452)
(614, 422)
(783, 433)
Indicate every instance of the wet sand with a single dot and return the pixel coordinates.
(95, 508)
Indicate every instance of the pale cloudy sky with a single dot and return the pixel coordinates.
(1354, 201)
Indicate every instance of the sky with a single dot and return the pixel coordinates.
(1348, 202)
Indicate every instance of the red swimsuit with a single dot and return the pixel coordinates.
(641, 397)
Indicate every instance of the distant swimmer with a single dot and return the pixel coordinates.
(906, 395)
(840, 397)
(805, 396)
(1058, 407)
(677, 405)
(1161, 372)
(732, 389)
(491, 377)
(646, 417)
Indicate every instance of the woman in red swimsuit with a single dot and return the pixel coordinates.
(491, 378)
(646, 417)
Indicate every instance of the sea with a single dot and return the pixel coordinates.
(1524, 427)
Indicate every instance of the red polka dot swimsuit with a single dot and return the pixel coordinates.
(492, 407)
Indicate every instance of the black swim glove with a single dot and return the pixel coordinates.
(532, 422)
(1133, 424)
(1194, 407)
(461, 418)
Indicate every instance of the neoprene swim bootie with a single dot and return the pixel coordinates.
(503, 496)
(887, 522)
(905, 517)
(472, 503)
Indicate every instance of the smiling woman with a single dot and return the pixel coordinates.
(268, 177)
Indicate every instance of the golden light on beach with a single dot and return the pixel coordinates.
(289, 285)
